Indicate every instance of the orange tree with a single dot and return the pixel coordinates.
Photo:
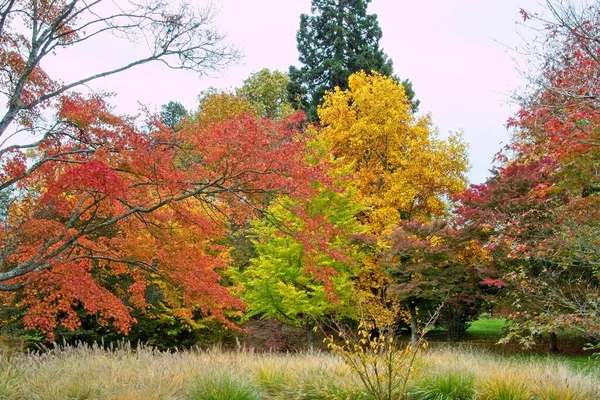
(87, 196)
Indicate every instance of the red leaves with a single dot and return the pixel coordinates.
(252, 153)
(53, 297)
(13, 165)
(107, 200)
(93, 176)
(497, 283)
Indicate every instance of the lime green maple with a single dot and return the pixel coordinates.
(304, 264)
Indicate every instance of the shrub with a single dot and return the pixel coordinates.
(223, 387)
(452, 385)
(503, 389)
(382, 365)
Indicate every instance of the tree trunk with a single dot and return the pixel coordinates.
(412, 308)
(553, 342)
(310, 335)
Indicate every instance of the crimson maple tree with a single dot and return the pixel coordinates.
(87, 197)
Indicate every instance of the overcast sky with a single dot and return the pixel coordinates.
(453, 51)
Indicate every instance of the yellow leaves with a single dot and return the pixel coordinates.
(436, 241)
(399, 168)
(383, 365)
(474, 254)
(218, 106)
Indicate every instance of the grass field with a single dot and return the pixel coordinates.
(488, 327)
(484, 334)
(474, 369)
(95, 373)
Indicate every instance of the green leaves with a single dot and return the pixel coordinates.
(302, 270)
(266, 91)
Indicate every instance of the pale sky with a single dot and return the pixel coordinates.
(454, 51)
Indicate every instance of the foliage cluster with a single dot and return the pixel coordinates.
(537, 216)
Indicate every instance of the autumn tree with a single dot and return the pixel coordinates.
(339, 39)
(399, 168)
(294, 281)
(559, 122)
(393, 161)
(433, 263)
(266, 91)
(88, 197)
(540, 209)
(215, 105)
(134, 207)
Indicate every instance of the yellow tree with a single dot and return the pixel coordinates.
(219, 105)
(398, 165)
(394, 161)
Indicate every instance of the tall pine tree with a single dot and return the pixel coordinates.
(172, 113)
(338, 39)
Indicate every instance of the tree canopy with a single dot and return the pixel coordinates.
(398, 166)
(91, 199)
(538, 214)
(266, 91)
(339, 39)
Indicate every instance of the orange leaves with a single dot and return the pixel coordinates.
(49, 11)
(89, 114)
(253, 155)
(53, 297)
(107, 203)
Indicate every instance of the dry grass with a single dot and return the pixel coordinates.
(499, 378)
(94, 373)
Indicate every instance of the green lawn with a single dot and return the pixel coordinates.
(488, 327)
(484, 333)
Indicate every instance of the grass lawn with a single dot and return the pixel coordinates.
(493, 328)
(484, 334)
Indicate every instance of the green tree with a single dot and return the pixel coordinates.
(294, 280)
(266, 91)
(339, 39)
(172, 113)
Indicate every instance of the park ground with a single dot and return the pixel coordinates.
(475, 368)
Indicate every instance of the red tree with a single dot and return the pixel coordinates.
(111, 200)
(86, 196)
(539, 213)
